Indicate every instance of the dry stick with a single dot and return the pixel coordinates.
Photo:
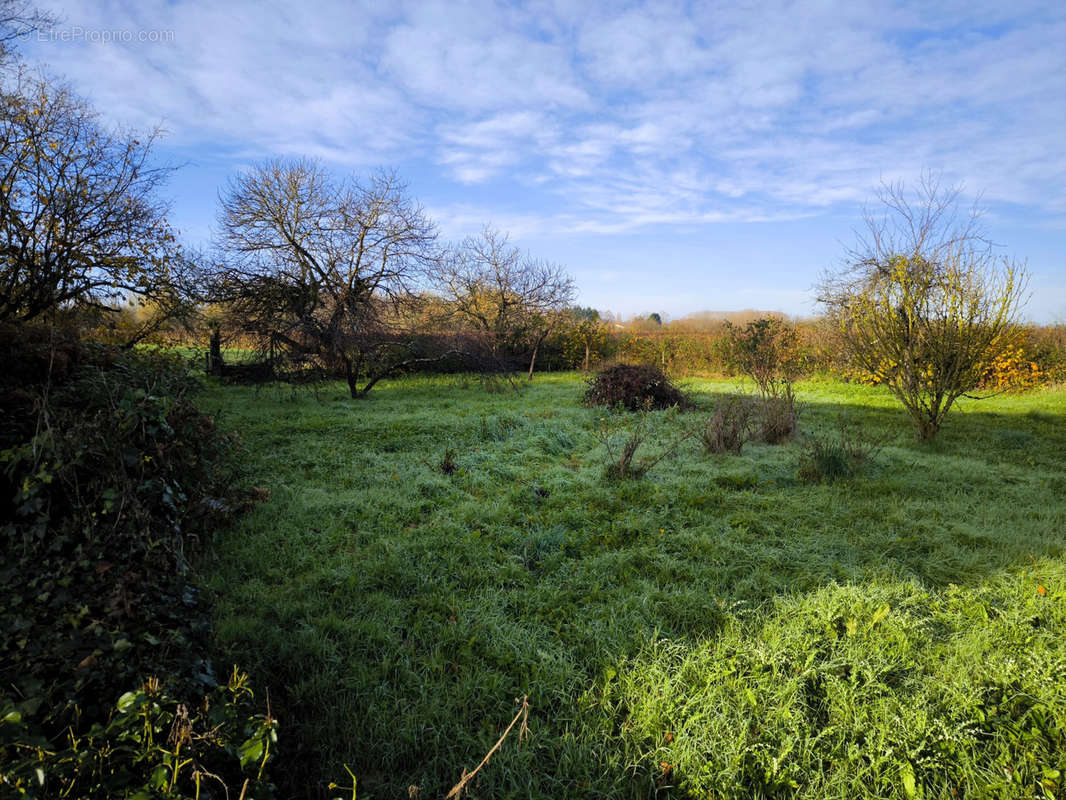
(523, 713)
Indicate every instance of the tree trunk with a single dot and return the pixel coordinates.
(214, 358)
(353, 378)
(586, 367)
(372, 379)
(533, 360)
(926, 426)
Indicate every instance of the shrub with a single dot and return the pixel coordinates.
(730, 426)
(151, 744)
(634, 387)
(621, 458)
(825, 460)
(1012, 369)
(110, 478)
(1047, 347)
(779, 421)
(767, 351)
(925, 303)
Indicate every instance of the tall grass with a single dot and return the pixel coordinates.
(899, 634)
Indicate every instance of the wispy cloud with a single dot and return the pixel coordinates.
(619, 118)
(783, 105)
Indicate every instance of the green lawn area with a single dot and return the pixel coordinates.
(718, 628)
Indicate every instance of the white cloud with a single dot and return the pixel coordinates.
(661, 113)
(477, 57)
(240, 73)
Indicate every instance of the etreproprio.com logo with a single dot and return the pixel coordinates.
(100, 35)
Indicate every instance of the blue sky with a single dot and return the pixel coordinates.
(673, 157)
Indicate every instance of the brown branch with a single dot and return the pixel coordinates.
(523, 714)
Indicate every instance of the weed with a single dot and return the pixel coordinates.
(498, 383)
(779, 421)
(827, 459)
(621, 458)
(730, 425)
(448, 464)
(738, 481)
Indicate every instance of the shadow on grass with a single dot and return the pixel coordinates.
(397, 611)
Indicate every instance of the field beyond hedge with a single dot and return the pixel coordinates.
(718, 628)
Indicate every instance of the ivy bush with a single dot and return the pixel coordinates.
(110, 481)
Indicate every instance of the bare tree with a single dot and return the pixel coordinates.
(81, 222)
(925, 302)
(318, 268)
(19, 18)
(509, 296)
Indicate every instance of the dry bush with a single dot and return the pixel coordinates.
(779, 419)
(731, 425)
(622, 435)
(635, 387)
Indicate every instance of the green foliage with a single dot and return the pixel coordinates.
(676, 634)
(768, 351)
(889, 691)
(1047, 348)
(112, 479)
(151, 745)
(581, 339)
(634, 387)
(737, 481)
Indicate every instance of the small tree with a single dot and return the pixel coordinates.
(768, 351)
(924, 303)
(81, 222)
(318, 269)
(514, 299)
(584, 336)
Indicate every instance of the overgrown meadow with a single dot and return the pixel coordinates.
(717, 628)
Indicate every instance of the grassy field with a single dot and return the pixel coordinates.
(719, 628)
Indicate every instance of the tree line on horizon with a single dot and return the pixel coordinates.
(327, 276)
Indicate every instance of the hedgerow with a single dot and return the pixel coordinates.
(111, 480)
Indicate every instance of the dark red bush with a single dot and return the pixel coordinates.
(634, 387)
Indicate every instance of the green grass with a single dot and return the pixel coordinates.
(718, 628)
